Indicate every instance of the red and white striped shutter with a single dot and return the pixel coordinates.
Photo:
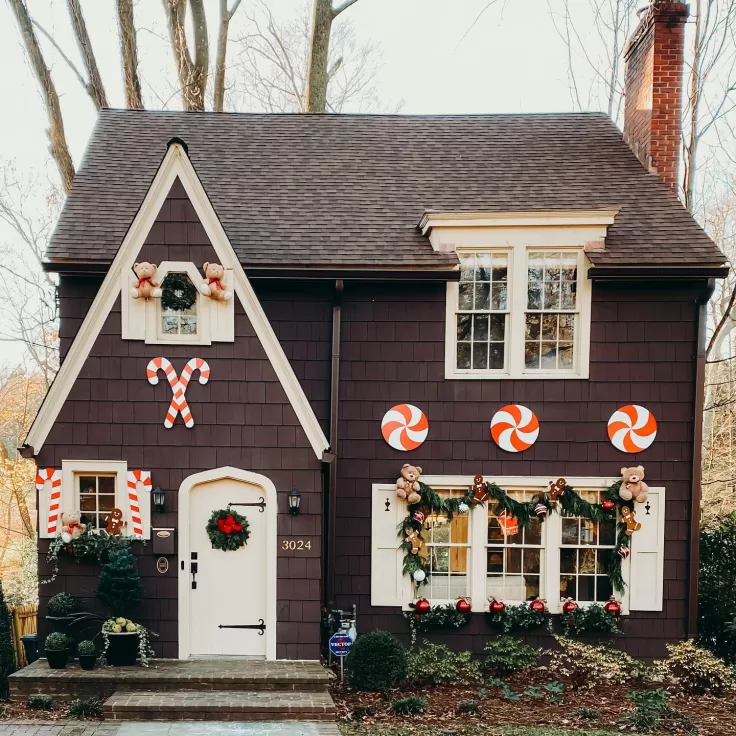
(48, 485)
(135, 503)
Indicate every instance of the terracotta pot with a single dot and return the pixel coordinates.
(57, 659)
(123, 649)
(87, 661)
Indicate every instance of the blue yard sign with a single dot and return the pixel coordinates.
(340, 644)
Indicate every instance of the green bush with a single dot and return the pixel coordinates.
(409, 706)
(7, 653)
(717, 589)
(377, 662)
(119, 587)
(62, 604)
(86, 648)
(88, 708)
(652, 708)
(507, 654)
(40, 702)
(694, 670)
(57, 642)
(587, 714)
(468, 706)
(436, 664)
(590, 665)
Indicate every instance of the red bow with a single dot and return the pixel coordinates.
(143, 281)
(218, 285)
(229, 525)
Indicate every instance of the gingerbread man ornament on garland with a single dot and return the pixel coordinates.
(629, 518)
(480, 494)
(415, 540)
(556, 489)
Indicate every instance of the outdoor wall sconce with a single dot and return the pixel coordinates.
(159, 499)
(295, 500)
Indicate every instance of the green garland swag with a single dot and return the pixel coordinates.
(178, 293)
(438, 617)
(227, 530)
(569, 503)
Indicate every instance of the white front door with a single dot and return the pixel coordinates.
(231, 587)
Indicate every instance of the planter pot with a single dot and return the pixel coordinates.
(57, 660)
(60, 623)
(87, 661)
(123, 649)
(30, 644)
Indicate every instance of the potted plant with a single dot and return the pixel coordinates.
(57, 650)
(87, 654)
(125, 642)
(60, 611)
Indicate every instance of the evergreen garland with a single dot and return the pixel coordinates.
(520, 616)
(7, 652)
(119, 586)
(178, 293)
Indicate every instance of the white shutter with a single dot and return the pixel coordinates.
(222, 314)
(647, 554)
(388, 586)
(134, 500)
(50, 502)
(132, 311)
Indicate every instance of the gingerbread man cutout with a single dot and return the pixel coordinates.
(114, 522)
(415, 540)
(480, 494)
(556, 489)
(629, 518)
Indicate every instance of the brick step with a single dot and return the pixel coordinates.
(222, 705)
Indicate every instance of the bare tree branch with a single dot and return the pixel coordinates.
(226, 15)
(94, 87)
(129, 55)
(61, 53)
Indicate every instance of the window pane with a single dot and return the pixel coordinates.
(170, 325)
(500, 267)
(604, 590)
(87, 484)
(480, 355)
(463, 355)
(570, 530)
(568, 560)
(549, 327)
(480, 327)
(464, 322)
(495, 559)
(566, 324)
(531, 354)
(495, 357)
(549, 355)
(188, 326)
(569, 264)
(588, 532)
(551, 295)
(536, 266)
(106, 503)
(498, 327)
(607, 532)
(532, 587)
(552, 263)
(459, 529)
(87, 503)
(565, 356)
(586, 590)
(534, 296)
(513, 560)
(533, 326)
(465, 297)
(567, 295)
(533, 532)
(106, 484)
(482, 296)
(531, 562)
(498, 296)
(467, 263)
(483, 267)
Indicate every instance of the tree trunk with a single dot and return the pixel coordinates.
(691, 147)
(94, 86)
(57, 138)
(192, 73)
(319, 52)
(225, 17)
(129, 55)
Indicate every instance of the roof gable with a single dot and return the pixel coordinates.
(175, 165)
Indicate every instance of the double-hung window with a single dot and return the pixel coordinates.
(519, 312)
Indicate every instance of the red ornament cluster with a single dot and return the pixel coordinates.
(228, 525)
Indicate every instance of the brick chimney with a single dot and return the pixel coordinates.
(653, 82)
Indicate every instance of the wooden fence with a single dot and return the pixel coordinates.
(24, 622)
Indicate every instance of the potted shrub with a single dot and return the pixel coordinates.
(125, 641)
(87, 654)
(57, 650)
(60, 611)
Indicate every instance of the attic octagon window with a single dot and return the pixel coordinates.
(178, 306)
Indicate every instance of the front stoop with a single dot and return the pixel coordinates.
(222, 705)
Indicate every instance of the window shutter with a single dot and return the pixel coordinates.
(48, 485)
(647, 555)
(134, 500)
(132, 311)
(388, 586)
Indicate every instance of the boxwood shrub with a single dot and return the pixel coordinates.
(377, 662)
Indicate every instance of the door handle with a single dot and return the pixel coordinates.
(194, 567)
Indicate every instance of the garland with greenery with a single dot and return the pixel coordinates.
(592, 619)
(227, 530)
(439, 617)
(519, 617)
(567, 502)
(178, 293)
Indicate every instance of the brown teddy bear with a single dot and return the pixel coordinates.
(114, 522)
(147, 287)
(215, 287)
(71, 526)
(633, 485)
(408, 485)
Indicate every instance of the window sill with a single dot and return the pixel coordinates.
(479, 375)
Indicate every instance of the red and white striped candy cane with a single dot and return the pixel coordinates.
(178, 386)
(43, 475)
(135, 477)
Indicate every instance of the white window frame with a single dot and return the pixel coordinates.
(514, 363)
(72, 469)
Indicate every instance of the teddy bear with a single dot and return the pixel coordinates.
(114, 522)
(633, 485)
(215, 287)
(408, 485)
(148, 284)
(71, 526)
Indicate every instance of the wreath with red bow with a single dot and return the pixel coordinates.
(227, 530)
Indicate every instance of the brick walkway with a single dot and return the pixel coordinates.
(179, 728)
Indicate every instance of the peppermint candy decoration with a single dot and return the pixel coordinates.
(632, 428)
(514, 428)
(404, 427)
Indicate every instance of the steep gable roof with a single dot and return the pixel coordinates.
(175, 165)
(347, 191)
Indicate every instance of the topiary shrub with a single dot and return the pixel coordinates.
(377, 662)
(695, 670)
(86, 648)
(57, 642)
(40, 702)
(436, 664)
(507, 654)
(119, 587)
(62, 604)
(7, 652)
(409, 706)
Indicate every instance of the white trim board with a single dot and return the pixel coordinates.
(175, 164)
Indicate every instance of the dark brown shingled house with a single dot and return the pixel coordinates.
(473, 295)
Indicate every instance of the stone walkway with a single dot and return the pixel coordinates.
(164, 728)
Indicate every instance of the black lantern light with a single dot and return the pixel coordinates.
(295, 499)
(159, 499)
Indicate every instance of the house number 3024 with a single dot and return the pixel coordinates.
(295, 544)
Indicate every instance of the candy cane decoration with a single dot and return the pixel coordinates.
(404, 427)
(178, 386)
(632, 428)
(514, 428)
(134, 478)
(43, 476)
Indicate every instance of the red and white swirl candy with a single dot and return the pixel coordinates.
(632, 428)
(514, 428)
(404, 427)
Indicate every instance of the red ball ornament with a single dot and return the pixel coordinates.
(569, 606)
(613, 607)
(496, 606)
(537, 605)
(422, 606)
(463, 605)
(608, 505)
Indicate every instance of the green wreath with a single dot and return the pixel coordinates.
(227, 530)
(178, 293)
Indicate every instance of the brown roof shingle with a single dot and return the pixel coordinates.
(347, 191)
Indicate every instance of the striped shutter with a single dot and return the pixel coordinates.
(135, 503)
(48, 485)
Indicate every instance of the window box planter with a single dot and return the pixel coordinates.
(57, 659)
(122, 648)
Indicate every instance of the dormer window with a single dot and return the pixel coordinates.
(179, 306)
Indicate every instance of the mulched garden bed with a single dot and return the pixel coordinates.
(714, 716)
(21, 712)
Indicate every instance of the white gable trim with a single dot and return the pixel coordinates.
(175, 164)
